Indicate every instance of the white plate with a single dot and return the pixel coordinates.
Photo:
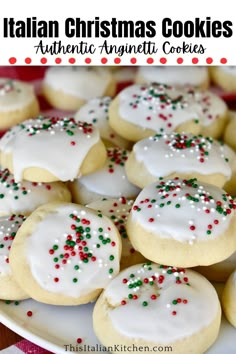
(53, 327)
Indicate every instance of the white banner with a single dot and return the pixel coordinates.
(118, 33)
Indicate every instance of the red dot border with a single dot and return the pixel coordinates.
(120, 61)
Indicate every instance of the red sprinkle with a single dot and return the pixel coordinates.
(29, 313)
(79, 340)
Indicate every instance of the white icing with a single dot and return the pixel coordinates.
(15, 95)
(164, 154)
(117, 210)
(155, 322)
(8, 228)
(111, 180)
(184, 211)
(26, 196)
(228, 69)
(163, 108)
(82, 82)
(95, 111)
(54, 230)
(172, 75)
(59, 148)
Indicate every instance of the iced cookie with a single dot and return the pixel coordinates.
(184, 155)
(118, 210)
(172, 75)
(228, 299)
(9, 289)
(24, 197)
(221, 271)
(69, 88)
(158, 306)
(140, 111)
(183, 223)
(17, 102)
(65, 254)
(95, 111)
(108, 182)
(224, 77)
(51, 149)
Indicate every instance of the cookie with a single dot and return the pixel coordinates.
(183, 223)
(228, 299)
(185, 155)
(17, 102)
(68, 88)
(118, 210)
(65, 254)
(140, 111)
(24, 197)
(9, 288)
(224, 77)
(172, 75)
(95, 111)
(229, 133)
(51, 149)
(154, 306)
(108, 182)
(221, 271)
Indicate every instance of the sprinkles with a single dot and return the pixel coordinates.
(199, 211)
(118, 211)
(163, 107)
(82, 244)
(183, 153)
(8, 229)
(146, 284)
